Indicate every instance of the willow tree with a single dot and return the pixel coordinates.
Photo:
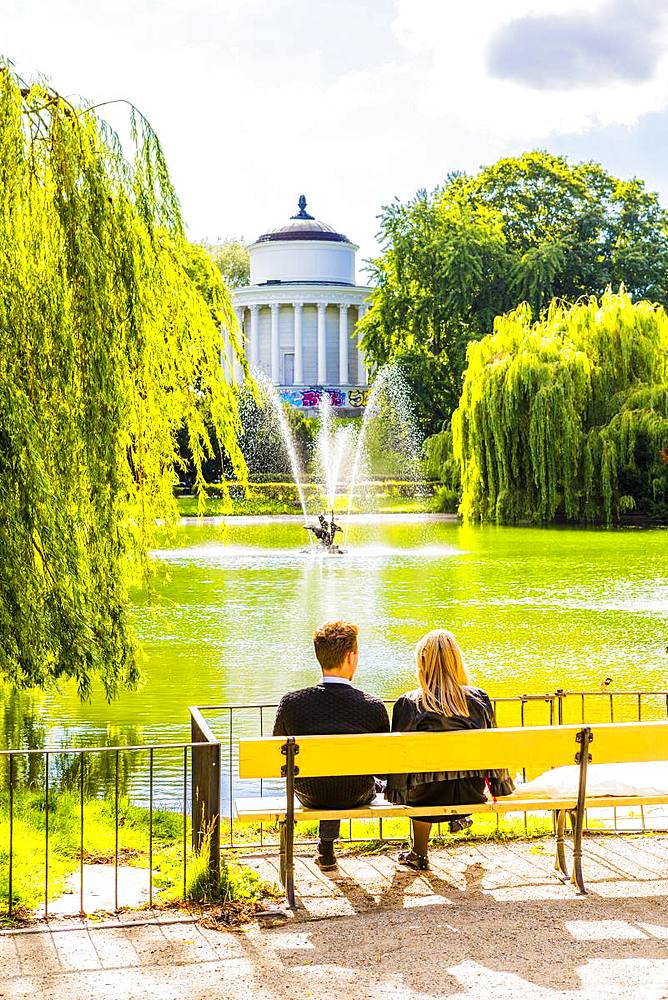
(566, 416)
(110, 340)
(525, 229)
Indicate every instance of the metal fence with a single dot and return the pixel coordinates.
(197, 781)
(96, 773)
(228, 723)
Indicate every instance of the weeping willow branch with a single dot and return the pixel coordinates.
(110, 342)
(568, 416)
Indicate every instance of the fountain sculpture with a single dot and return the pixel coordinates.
(346, 453)
(326, 534)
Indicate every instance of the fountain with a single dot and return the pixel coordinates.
(345, 453)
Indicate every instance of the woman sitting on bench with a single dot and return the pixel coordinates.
(444, 701)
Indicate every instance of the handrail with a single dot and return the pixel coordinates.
(103, 749)
(548, 696)
(202, 725)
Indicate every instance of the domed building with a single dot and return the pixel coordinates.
(300, 312)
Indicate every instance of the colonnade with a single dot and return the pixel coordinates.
(324, 376)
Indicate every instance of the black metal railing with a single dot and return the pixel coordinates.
(168, 772)
(197, 781)
(561, 707)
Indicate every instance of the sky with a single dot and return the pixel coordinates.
(356, 102)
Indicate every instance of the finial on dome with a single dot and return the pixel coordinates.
(302, 213)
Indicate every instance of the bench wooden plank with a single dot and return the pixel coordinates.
(270, 809)
(538, 748)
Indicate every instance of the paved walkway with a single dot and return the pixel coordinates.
(487, 920)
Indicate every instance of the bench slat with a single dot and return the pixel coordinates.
(537, 748)
(273, 808)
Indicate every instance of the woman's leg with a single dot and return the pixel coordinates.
(420, 836)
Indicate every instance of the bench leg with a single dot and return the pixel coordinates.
(290, 863)
(287, 862)
(560, 860)
(576, 875)
(282, 832)
(584, 738)
(290, 749)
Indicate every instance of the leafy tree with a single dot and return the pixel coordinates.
(527, 229)
(109, 345)
(233, 261)
(567, 416)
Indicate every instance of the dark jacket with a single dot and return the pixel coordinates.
(409, 716)
(331, 709)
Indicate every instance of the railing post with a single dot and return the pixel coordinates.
(205, 789)
(559, 694)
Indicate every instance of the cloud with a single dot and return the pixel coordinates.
(517, 73)
(622, 42)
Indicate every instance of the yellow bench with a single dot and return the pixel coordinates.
(534, 748)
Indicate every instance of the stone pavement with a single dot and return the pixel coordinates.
(487, 920)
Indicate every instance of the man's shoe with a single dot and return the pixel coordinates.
(325, 858)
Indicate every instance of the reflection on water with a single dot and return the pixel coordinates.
(234, 606)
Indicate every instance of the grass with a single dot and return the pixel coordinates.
(485, 827)
(29, 838)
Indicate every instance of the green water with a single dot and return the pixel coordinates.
(234, 609)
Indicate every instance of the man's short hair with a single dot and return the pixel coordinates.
(333, 641)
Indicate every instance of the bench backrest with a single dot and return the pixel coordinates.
(535, 748)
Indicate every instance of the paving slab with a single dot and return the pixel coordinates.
(101, 884)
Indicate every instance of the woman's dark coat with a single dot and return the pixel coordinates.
(410, 716)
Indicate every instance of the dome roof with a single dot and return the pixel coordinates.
(303, 226)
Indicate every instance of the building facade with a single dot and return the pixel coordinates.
(300, 312)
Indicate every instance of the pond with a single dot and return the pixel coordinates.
(234, 607)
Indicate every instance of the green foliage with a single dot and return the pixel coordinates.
(236, 882)
(527, 229)
(232, 259)
(109, 345)
(434, 392)
(439, 461)
(567, 416)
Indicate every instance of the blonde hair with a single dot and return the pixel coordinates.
(441, 673)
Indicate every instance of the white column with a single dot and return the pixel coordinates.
(238, 370)
(322, 343)
(299, 345)
(254, 337)
(275, 347)
(360, 354)
(344, 376)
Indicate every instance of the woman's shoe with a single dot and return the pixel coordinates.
(457, 825)
(418, 862)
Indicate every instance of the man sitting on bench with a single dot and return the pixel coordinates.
(332, 707)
